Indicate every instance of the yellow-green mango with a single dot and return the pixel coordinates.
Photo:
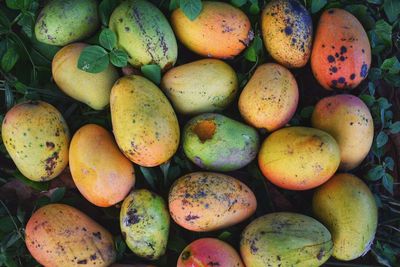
(205, 85)
(144, 221)
(37, 138)
(92, 89)
(64, 21)
(144, 123)
(144, 33)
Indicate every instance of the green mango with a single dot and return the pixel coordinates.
(215, 142)
(144, 33)
(64, 21)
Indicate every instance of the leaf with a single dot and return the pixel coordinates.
(120, 247)
(254, 8)
(152, 72)
(40, 186)
(238, 3)
(367, 99)
(306, 112)
(384, 31)
(381, 139)
(383, 103)
(150, 176)
(391, 65)
(371, 88)
(253, 52)
(9, 59)
(26, 22)
(392, 9)
(176, 243)
(191, 8)
(173, 4)
(9, 96)
(106, 8)
(57, 194)
(317, 5)
(4, 21)
(93, 59)
(395, 127)
(119, 58)
(389, 163)
(225, 235)
(361, 13)
(392, 79)
(375, 74)
(108, 39)
(18, 4)
(376, 173)
(387, 182)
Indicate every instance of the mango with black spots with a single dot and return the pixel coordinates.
(220, 31)
(36, 136)
(285, 239)
(65, 21)
(144, 222)
(215, 142)
(60, 235)
(144, 33)
(207, 201)
(341, 55)
(287, 31)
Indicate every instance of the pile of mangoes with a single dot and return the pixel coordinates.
(146, 131)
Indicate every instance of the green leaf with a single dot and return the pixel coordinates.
(384, 31)
(191, 8)
(150, 175)
(18, 4)
(317, 5)
(106, 8)
(255, 49)
(371, 88)
(306, 112)
(391, 65)
(119, 58)
(152, 72)
(392, 9)
(392, 79)
(26, 22)
(9, 59)
(383, 103)
(4, 21)
(176, 243)
(389, 163)
(387, 182)
(361, 13)
(108, 39)
(238, 3)
(225, 235)
(254, 8)
(57, 194)
(381, 139)
(395, 127)
(173, 4)
(9, 96)
(120, 247)
(375, 74)
(40, 186)
(367, 99)
(376, 173)
(93, 59)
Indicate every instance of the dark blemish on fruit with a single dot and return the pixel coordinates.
(341, 80)
(84, 229)
(342, 58)
(331, 59)
(351, 123)
(288, 30)
(323, 46)
(364, 70)
(337, 55)
(185, 255)
(253, 247)
(131, 217)
(334, 82)
(330, 11)
(320, 254)
(343, 50)
(49, 145)
(127, 29)
(352, 76)
(120, 19)
(51, 163)
(294, 40)
(97, 234)
(213, 263)
(82, 262)
(191, 217)
(93, 257)
(333, 69)
(363, 51)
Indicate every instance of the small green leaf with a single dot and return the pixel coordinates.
(381, 139)
(306, 112)
(389, 163)
(376, 173)
(391, 65)
(371, 88)
(384, 31)
(375, 74)
(119, 58)
(225, 235)
(387, 182)
(9, 96)
(120, 247)
(108, 39)
(57, 194)
(152, 72)
(367, 99)
(106, 8)
(392, 9)
(18, 4)
(254, 50)
(150, 175)
(4, 21)
(9, 59)
(383, 103)
(317, 5)
(238, 3)
(254, 8)
(173, 4)
(93, 59)
(191, 8)
(395, 127)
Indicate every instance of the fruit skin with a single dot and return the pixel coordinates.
(341, 55)
(37, 138)
(209, 252)
(348, 209)
(144, 33)
(287, 32)
(207, 201)
(93, 89)
(64, 21)
(100, 171)
(144, 124)
(205, 85)
(220, 31)
(349, 121)
(285, 239)
(60, 235)
(215, 142)
(299, 158)
(270, 98)
(144, 222)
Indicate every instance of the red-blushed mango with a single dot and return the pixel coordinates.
(299, 158)
(103, 175)
(270, 98)
(341, 54)
(349, 121)
(348, 209)
(59, 235)
(209, 252)
(144, 123)
(206, 201)
(37, 138)
(220, 31)
(287, 32)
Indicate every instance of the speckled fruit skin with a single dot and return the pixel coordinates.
(216, 142)
(92, 89)
(270, 98)
(349, 121)
(59, 235)
(287, 32)
(348, 209)
(285, 239)
(209, 252)
(103, 175)
(64, 21)
(299, 158)
(205, 85)
(220, 31)
(341, 54)
(144, 124)
(206, 201)
(144, 221)
(37, 138)
(144, 33)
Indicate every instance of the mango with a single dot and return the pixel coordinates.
(220, 31)
(206, 201)
(65, 21)
(37, 138)
(287, 32)
(285, 239)
(270, 98)
(100, 171)
(348, 209)
(144, 33)
(341, 54)
(144, 221)
(145, 125)
(349, 121)
(209, 252)
(59, 235)
(205, 85)
(299, 158)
